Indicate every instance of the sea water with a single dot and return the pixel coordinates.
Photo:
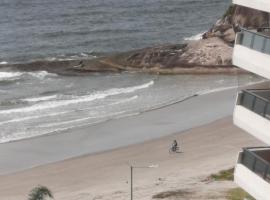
(68, 29)
(39, 103)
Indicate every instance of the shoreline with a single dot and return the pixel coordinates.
(116, 118)
(127, 131)
(206, 149)
(161, 106)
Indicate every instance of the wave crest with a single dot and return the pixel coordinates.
(194, 37)
(37, 99)
(3, 63)
(41, 74)
(87, 98)
(11, 76)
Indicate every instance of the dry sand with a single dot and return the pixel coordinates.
(206, 149)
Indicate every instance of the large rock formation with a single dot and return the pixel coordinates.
(212, 52)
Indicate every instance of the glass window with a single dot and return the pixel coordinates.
(247, 39)
(267, 177)
(267, 114)
(248, 160)
(267, 46)
(260, 167)
(247, 100)
(258, 43)
(259, 106)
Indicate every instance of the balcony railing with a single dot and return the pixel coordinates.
(252, 160)
(255, 40)
(252, 101)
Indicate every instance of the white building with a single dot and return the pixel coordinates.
(252, 110)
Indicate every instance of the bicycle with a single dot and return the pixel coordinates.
(174, 149)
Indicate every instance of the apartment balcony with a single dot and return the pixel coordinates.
(263, 5)
(252, 172)
(252, 113)
(252, 51)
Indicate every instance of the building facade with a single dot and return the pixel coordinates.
(252, 110)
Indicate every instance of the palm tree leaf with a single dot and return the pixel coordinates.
(40, 193)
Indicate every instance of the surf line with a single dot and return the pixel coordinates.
(170, 104)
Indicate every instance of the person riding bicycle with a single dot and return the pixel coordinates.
(174, 145)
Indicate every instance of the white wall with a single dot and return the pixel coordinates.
(251, 183)
(251, 60)
(253, 123)
(263, 5)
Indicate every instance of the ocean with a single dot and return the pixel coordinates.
(39, 103)
(49, 29)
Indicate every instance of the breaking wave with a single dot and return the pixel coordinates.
(37, 99)
(11, 76)
(3, 63)
(81, 99)
(20, 119)
(31, 117)
(67, 57)
(29, 134)
(194, 37)
(41, 74)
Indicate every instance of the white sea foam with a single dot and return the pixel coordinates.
(58, 59)
(37, 99)
(3, 63)
(84, 55)
(21, 119)
(41, 74)
(82, 99)
(29, 134)
(216, 90)
(194, 37)
(82, 119)
(9, 75)
(51, 58)
(227, 88)
(125, 100)
(32, 117)
(69, 122)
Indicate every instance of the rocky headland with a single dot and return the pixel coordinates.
(211, 54)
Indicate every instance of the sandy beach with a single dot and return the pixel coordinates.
(206, 149)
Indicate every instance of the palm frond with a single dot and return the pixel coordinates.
(40, 193)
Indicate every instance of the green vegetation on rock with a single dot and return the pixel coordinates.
(170, 194)
(224, 175)
(238, 194)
